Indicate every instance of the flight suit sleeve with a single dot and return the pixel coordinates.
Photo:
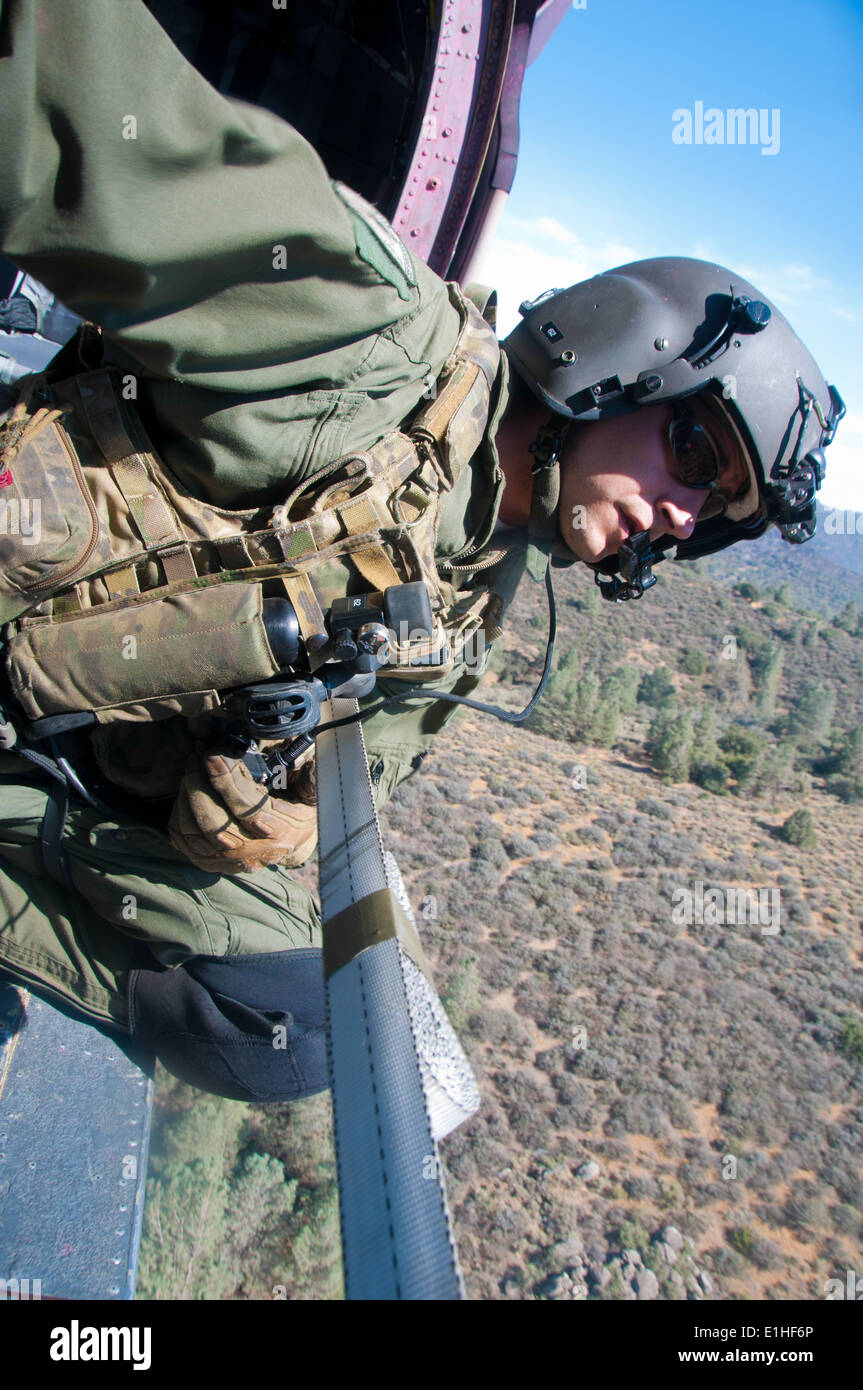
(399, 738)
(271, 320)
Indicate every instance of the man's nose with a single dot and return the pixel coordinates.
(677, 516)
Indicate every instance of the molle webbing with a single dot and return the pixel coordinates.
(131, 562)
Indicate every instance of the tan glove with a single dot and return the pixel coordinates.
(227, 823)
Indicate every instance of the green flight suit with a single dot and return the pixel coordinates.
(271, 324)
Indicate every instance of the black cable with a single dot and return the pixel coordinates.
(430, 695)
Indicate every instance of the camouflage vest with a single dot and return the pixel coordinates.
(126, 596)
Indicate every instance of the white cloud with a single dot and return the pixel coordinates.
(843, 485)
(788, 284)
(543, 255)
(550, 227)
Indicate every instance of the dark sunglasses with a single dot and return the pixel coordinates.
(696, 458)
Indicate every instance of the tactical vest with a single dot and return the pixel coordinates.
(127, 597)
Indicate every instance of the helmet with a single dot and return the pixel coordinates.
(656, 331)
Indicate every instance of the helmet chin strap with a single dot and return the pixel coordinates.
(633, 564)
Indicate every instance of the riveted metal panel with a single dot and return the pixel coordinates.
(74, 1128)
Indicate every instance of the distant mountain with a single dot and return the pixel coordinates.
(839, 538)
(824, 573)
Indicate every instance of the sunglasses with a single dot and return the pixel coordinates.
(696, 458)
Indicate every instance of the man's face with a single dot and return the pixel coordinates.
(618, 478)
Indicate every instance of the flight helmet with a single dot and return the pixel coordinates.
(658, 332)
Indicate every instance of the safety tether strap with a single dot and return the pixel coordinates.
(51, 833)
(399, 1079)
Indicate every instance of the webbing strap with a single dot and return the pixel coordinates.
(396, 1237)
(148, 505)
(150, 511)
(121, 582)
(95, 391)
(435, 418)
(313, 627)
(376, 566)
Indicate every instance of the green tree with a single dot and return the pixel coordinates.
(669, 743)
(799, 830)
(849, 757)
(656, 687)
(845, 768)
(582, 706)
(743, 750)
(623, 682)
(778, 769)
(606, 721)
(312, 1260)
(708, 767)
(223, 1218)
(706, 743)
(589, 599)
(766, 671)
(184, 1250)
(848, 619)
(810, 716)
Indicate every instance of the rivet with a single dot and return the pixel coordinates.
(660, 344)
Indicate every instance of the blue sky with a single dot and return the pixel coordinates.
(600, 180)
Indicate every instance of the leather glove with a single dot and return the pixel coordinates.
(227, 823)
(301, 784)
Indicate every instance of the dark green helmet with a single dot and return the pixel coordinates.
(655, 331)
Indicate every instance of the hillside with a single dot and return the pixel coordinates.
(823, 574)
(688, 1091)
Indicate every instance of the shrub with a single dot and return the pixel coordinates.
(462, 997)
(713, 777)
(742, 1240)
(799, 830)
(851, 1037)
(693, 662)
(632, 1236)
